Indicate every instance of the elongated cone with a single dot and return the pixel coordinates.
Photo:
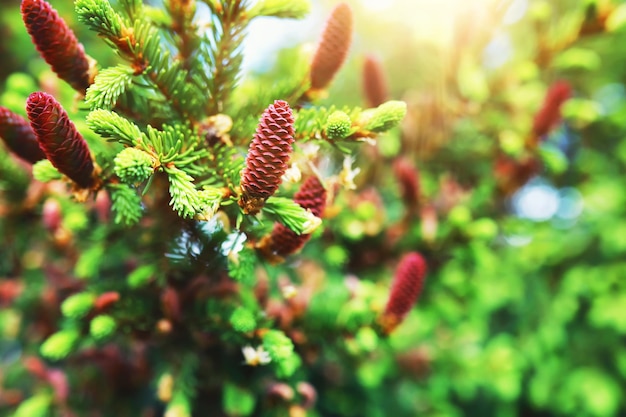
(57, 44)
(406, 288)
(283, 241)
(19, 137)
(268, 156)
(549, 115)
(59, 140)
(333, 47)
(374, 82)
(409, 182)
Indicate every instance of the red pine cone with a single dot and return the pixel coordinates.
(409, 181)
(374, 82)
(283, 241)
(59, 139)
(57, 44)
(333, 47)
(19, 137)
(550, 113)
(406, 288)
(268, 156)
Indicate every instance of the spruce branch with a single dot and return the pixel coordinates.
(176, 144)
(168, 76)
(109, 84)
(126, 204)
(185, 200)
(383, 117)
(210, 199)
(186, 39)
(315, 123)
(292, 215)
(132, 9)
(228, 29)
(134, 166)
(109, 124)
(141, 45)
(100, 17)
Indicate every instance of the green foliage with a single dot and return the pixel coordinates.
(102, 326)
(290, 9)
(110, 83)
(141, 276)
(185, 199)
(101, 18)
(78, 305)
(133, 165)
(291, 214)
(241, 266)
(238, 401)
(36, 406)
(60, 344)
(383, 117)
(44, 171)
(109, 124)
(278, 345)
(243, 320)
(338, 125)
(126, 204)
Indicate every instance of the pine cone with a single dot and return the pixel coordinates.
(408, 180)
(374, 82)
(332, 49)
(406, 288)
(550, 113)
(19, 137)
(57, 44)
(59, 140)
(268, 156)
(284, 241)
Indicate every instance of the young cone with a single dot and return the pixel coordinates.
(284, 241)
(57, 44)
(332, 49)
(549, 115)
(406, 288)
(409, 182)
(374, 82)
(59, 140)
(19, 137)
(268, 156)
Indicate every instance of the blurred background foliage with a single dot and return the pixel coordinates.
(523, 312)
